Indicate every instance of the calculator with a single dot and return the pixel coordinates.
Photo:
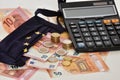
(92, 25)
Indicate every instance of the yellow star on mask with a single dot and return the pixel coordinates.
(43, 34)
(37, 32)
(28, 37)
(26, 44)
(25, 50)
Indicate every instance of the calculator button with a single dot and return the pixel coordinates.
(100, 28)
(96, 38)
(73, 26)
(81, 45)
(90, 25)
(75, 30)
(94, 33)
(115, 40)
(92, 29)
(82, 26)
(115, 20)
(118, 32)
(98, 25)
(103, 33)
(84, 29)
(110, 28)
(77, 35)
(98, 21)
(112, 32)
(88, 38)
(89, 22)
(81, 22)
(90, 44)
(117, 27)
(107, 22)
(110, 24)
(72, 23)
(105, 38)
(99, 43)
(86, 34)
(107, 43)
(79, 39)
(116, 24)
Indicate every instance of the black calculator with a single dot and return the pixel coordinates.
(92, 25)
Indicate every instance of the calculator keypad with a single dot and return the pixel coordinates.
(96, 35)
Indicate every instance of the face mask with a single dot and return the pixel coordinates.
(13, 46)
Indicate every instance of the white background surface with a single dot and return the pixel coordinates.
(112, 60)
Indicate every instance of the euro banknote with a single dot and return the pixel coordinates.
(4, 66)
(14, 19)
(86, 63)
(24, 74)
(43, 65)
(44, 49)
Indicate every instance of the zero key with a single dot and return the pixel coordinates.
(115, 40)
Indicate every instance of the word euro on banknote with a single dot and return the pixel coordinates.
(13, 20)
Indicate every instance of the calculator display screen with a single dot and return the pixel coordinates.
(94, 11)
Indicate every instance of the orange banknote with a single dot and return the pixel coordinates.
(19, 74)
(4, 66)
(51, 64)
(14, 19)
(86, 63)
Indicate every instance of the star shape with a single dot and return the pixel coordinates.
(25, 50)
(37, 32)
(43, 34)
(26, 44)
(28, 37)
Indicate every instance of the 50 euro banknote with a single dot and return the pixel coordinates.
(14, 19)
(86, 63)
(58, 72)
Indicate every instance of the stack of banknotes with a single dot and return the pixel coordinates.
(53, 53)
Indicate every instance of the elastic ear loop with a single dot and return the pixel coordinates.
(61, 1)
(50, 13)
